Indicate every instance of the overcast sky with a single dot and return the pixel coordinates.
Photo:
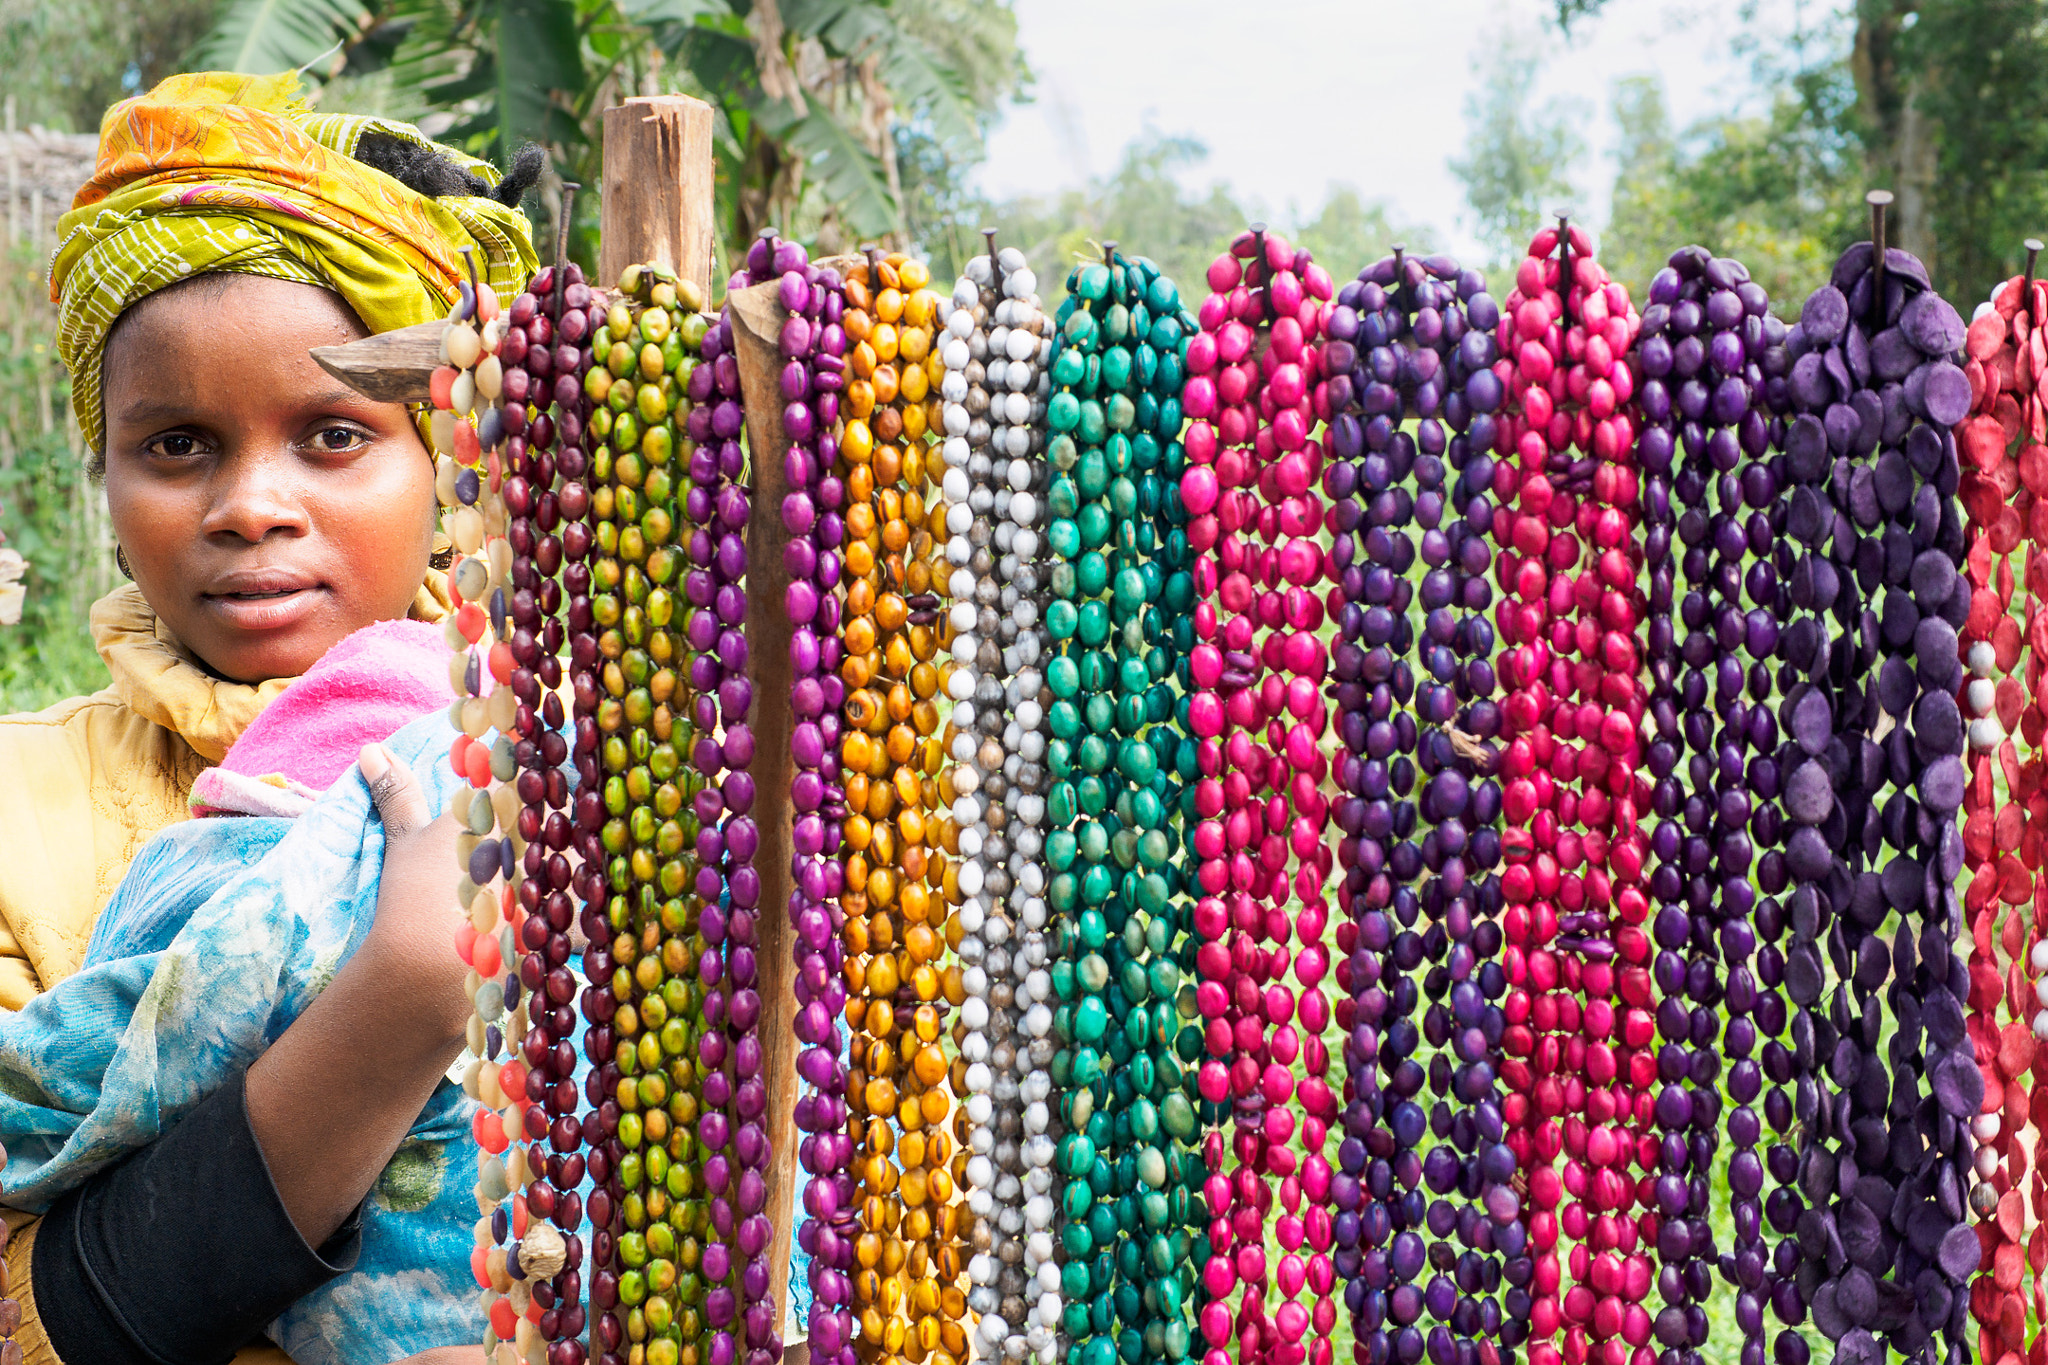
(1292, 95)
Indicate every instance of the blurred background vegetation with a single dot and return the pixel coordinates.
(843, 121)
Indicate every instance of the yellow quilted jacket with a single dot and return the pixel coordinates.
(83, 785)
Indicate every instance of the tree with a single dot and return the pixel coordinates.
(1518, 158)
(1777, 191)
(1943, 102)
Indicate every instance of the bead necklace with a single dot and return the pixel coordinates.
(1703, 347)
(1117, 581)
(898, 828)
(1872, 363)
(1575, 856)
(811, 381)
(995, 463)
(1400, 310)
(1999, 703)
(1263, 412)
(470, 482)
(730, 1131)
(647, 1088)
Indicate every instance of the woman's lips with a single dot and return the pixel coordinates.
(263, 601)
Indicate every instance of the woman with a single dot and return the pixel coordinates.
(263, 512)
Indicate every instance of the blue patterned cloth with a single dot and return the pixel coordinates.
(220, 935)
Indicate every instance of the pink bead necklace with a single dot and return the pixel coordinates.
(1579, 1068)
(1254, 393)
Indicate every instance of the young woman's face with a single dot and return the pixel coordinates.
(265, 508)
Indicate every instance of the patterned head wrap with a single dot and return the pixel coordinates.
(222, 172)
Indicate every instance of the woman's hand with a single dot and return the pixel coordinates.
(377, 1041)
(414, 932)
(447, 1355)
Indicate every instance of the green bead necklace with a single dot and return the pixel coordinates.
(1118, 758)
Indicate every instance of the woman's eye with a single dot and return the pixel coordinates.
(176, 445)
(338, 440)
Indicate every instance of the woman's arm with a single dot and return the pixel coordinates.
(189, 1248)
(332, 1099)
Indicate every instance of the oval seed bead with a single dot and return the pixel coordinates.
(813, 378)
(1115, 760)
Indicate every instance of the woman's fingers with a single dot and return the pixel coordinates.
(400, 802)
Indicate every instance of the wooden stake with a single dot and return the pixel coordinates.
(658, 192)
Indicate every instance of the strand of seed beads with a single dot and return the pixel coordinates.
(1565, 331)
(996, 602)
(1874, 366)
(1117, 416)
(1711, 405)
(2001, 700)
(1372, 509)
(1731, 812)
(1269, 407)
(539, 541)
(646, 1202)
(1399, 310)
(895, 829)
(811, 381)
(470, 482)
(731, 1137)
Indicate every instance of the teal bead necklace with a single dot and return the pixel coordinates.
(1118, 758)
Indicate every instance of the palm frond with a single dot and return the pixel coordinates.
(261, 37)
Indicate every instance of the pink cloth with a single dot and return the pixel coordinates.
(360, 692)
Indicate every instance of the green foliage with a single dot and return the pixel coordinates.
(1981, 70)
(1519, 156)
(49, 512)
(264, 36)
(66, 63)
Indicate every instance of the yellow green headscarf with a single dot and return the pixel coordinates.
(222, 172)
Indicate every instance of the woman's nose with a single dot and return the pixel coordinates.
(255, 496)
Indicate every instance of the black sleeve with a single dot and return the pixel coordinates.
(180, 1255)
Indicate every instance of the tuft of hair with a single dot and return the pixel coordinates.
(425, 170)
(527, 164)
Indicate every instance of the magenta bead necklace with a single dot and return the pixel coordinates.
(812, 346)
(1260, 717)
(731, 1129)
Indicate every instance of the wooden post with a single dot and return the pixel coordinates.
(757, 317)
(659, 202)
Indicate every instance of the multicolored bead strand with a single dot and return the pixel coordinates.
(649, 1209)
(811, 381)
(1111, 850)
(471, 481)
(995, 464)
(1575, 855)
(898, 825)
(1412, 336)
(1873, 373)
(1261, 805)
(2001, 706)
